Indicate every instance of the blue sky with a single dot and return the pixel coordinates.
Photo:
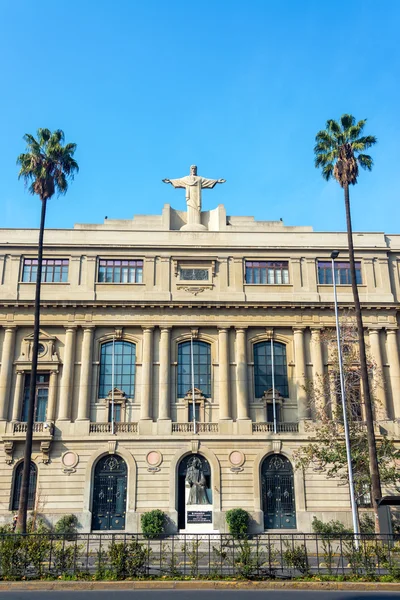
(239, 88)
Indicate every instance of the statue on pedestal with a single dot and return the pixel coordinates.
(193, 185)
(197, 482)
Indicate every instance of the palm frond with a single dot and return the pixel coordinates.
(362, 143)
(324, 136)
(347, 121)
(327, 171)
(333, 127)
(365, 161)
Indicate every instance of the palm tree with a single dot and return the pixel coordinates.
(339, 151)
(47, 165)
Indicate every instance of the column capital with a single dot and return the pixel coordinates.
(88, 327)
(9, 328)
(165, 328)
(71, 328)
(147, 329)
(298, 329)
(393, 330)
(316, 331)
(241, 329)
(374, 330)
(223, 328)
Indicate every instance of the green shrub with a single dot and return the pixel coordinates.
(129, 560)
(367, 523)
(296, 558)
(67, 525)
(332, 528)
(238, 522)
(153, 523)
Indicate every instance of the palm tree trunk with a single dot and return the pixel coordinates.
(23, 498)
(376, 491)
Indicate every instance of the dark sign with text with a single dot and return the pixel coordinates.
(199, 516)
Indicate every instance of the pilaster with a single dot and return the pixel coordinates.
(394, 366)
(145, 404)
(7, 358)
(86, 374)
(164, 376)
(17, 404)
(223, 370)
(378, 375)
(241, 375)
(67, 379)
(300, 373)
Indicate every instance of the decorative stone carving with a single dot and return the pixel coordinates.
(69, 461)
(154, 459)
(112, 446)
(9, 450)
(237, 460)
(195, 445)
(45, 450)
(276, 446)
(118, 334)
(47, 349)
(194, 289)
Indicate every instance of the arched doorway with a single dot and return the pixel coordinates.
(278, 498)
(109, 494)
(203, 497)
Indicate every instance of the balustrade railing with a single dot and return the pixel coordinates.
(118, 428)
(280, 427)
(200, 427)
(37, 428)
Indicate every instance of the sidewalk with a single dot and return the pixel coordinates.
(8, 586)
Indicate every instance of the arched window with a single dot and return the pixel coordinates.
(124, 368)
(201, 368)
(263, 368)
(17, 486)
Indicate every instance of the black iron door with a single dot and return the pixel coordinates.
(278, 493)
(109, 494)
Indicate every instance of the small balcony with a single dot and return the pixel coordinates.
(280, 427)
(200, 427)
(106, 428)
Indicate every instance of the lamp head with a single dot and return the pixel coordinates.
(334, 254)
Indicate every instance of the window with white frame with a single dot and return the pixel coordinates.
(54, 270)
(120, 271)
(270, 272)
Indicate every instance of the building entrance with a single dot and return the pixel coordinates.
(278, 493)
(109, 494)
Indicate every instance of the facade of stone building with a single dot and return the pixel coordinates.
(139, 293)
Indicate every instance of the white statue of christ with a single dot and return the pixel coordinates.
(193, 185)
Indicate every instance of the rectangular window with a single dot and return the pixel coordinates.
(120, 271)
(364, 499)
(41, 397)
(117, 413)
(54, 270)
(197, 411)
(194, 274)
(267, 272)
(342, 273)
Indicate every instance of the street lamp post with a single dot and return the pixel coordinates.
(356, 528)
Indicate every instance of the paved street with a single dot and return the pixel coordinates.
(197, 595)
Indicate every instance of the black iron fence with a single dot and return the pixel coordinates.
(124, 556)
